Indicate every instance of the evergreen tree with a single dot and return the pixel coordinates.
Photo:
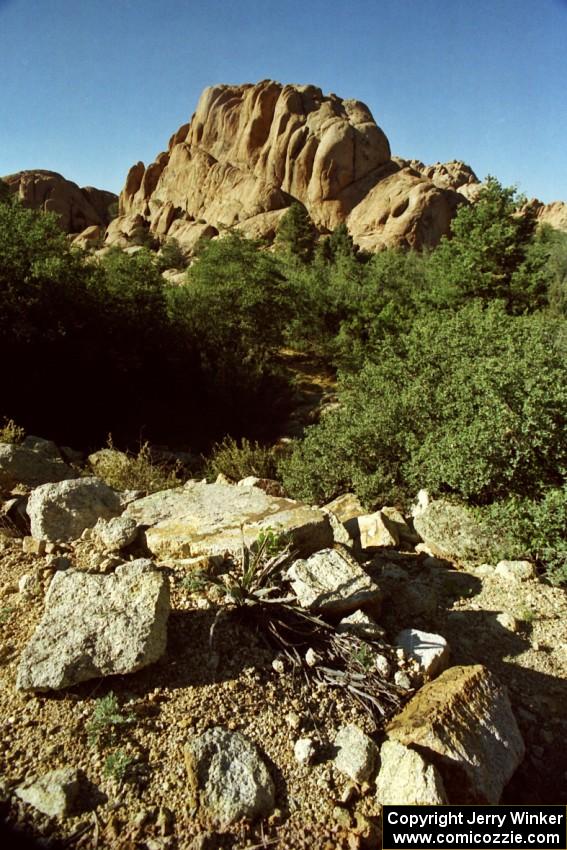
(296, 234)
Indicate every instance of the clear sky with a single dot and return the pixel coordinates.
(88, 87)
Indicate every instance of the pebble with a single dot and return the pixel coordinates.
(304, 750)
(383, 666)
(402, 680)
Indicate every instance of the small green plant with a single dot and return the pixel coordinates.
(10, 432)
(117, 765)
(124, 471)
(196, 581)
(239, 460)
(526, 615)
(364, 656)
(105, 719)
(5, 613)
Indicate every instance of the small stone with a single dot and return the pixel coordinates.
(405, 778)
(228, 777)
(59, 793)
(341, 816)
(357, 753)
(429, 650)
(507, 621)
(293, 720)
(516, 570)
(31, 546)
(332, 582)
(383, 666)
(311, 658)
(402, 680)
(116, 533)
(25, 583)
(362, 625)
(304, 750)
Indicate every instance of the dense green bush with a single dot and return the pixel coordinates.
(490, 254)
(531, 528)
(471, 403)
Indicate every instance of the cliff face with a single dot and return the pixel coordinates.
(48, 191)
(251, 150)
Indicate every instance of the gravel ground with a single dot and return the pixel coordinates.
(235, 686)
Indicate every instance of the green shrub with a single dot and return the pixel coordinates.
(472, 404)
(125, 471)
(532, 528)
(239, 459)
(171, 256)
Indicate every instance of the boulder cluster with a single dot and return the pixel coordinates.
(454, 739)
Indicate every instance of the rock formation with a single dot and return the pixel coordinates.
(554, 214)
(251, 150)
(48, 191)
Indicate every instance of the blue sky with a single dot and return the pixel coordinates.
(88, 87)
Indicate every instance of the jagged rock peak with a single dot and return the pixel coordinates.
(51, 192)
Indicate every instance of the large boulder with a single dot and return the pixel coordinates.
(97, 625)
(76, 208)
(462, 723)
(251, 150)
(228, 778)
(31, 466)
(61, 512)
(202, 519)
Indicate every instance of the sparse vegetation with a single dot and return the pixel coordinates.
(106, 719)
(117, 765)
(10, 432)
(239, 459)
(126, 471)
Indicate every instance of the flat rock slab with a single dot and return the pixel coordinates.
(463, 724)
(228, 778)
(406, 779)
(211, 520)
(97, 625)
(430, 651)
(61, 512)
(332, 582)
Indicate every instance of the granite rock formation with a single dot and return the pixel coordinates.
(251, 150)
(77, 208)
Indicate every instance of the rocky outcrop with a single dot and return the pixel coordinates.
(251, 150)
(554, 214)
(77, 208)
(208, 520)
